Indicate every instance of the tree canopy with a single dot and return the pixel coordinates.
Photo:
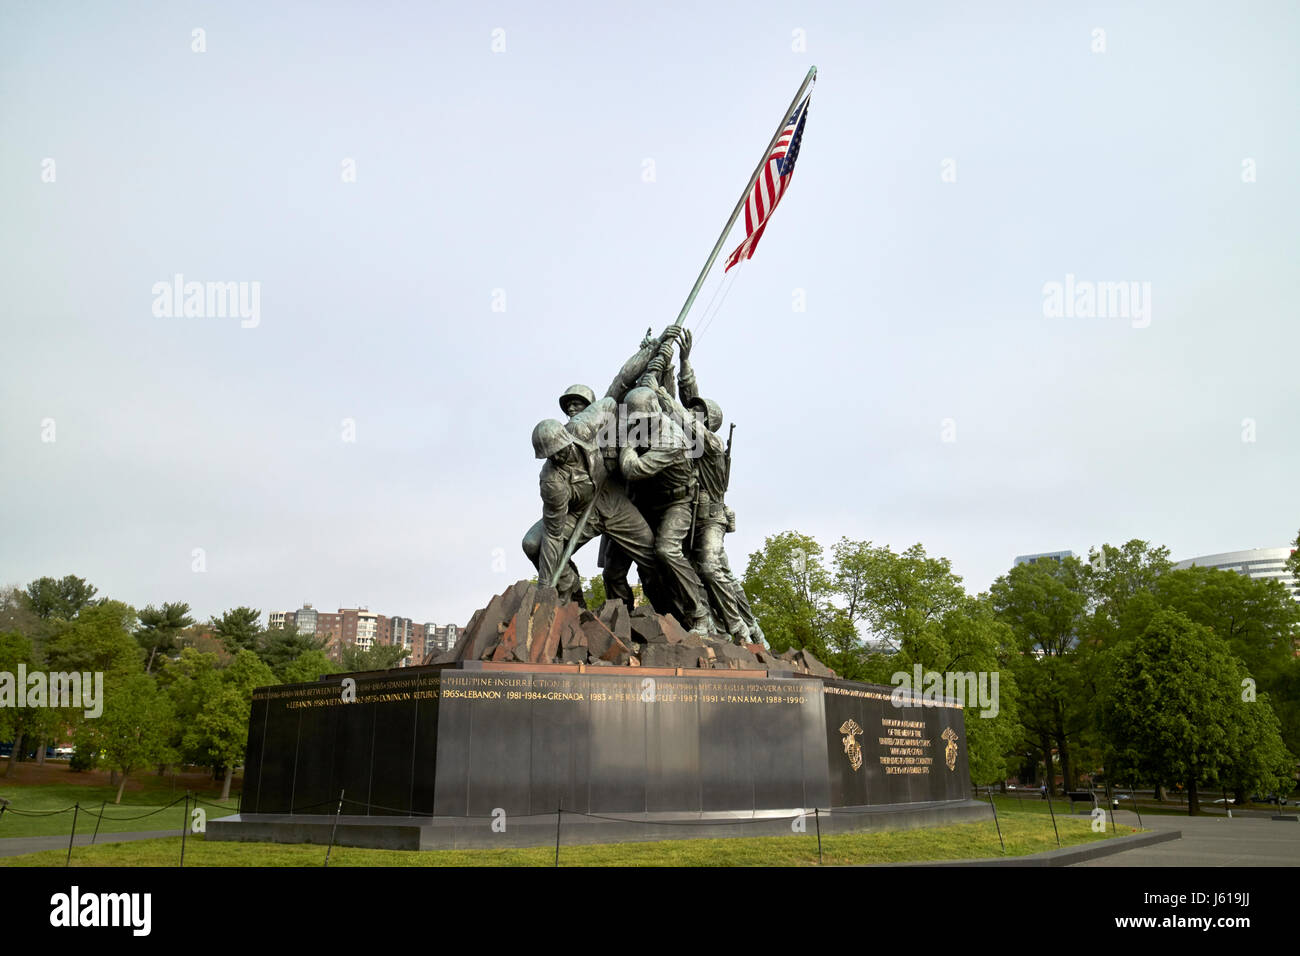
(63, 598)
(1173, 710)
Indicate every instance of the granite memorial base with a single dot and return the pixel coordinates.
(478, 755)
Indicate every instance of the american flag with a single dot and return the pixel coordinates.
(771, 184)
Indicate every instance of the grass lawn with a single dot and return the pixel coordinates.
(1025, 833)
(37, 789)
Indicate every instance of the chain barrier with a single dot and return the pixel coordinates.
(337, 808)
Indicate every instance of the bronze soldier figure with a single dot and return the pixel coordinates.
(573, 474)
(713, 519)
(576, 398)
(576, 465)
(656, 463)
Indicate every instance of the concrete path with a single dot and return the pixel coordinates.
(17, 846)
(1212, 841)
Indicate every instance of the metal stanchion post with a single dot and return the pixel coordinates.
(1053, 813)
(98, 821)
(76, 807)
(334, 829)
(995, 820)
(558, 810)
(185, 826)
(817, 817)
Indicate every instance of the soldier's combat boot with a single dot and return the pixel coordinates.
(703, 626)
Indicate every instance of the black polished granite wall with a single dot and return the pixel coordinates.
(453, 742)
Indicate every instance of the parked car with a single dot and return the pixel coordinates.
(6, 749)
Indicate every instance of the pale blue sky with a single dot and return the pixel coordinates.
(523, 171)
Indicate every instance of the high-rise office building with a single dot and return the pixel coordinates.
(306, 619)
(1260, 563)
(1057, 556)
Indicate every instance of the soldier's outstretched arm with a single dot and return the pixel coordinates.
(687, 388)
(637, 466)
(636, 366)
(594, 423)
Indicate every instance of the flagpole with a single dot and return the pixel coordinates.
(744, 196)
(690, 299)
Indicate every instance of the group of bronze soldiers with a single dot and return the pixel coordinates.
(658, 473)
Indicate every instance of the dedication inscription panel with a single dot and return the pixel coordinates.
(879, 753)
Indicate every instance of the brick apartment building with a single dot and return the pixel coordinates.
(364, 628)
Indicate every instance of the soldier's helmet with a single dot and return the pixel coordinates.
(712, 412)
(640, 403)
(549, 437)
(577, 391)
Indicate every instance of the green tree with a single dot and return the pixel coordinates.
(239, 628)
(897, 596)
(16, 723)
(843, 648)
(1258, 757)
(185, 681)
(219, 730)
(32, 725)
(307, 667)
(159, 628)
(789, 590)
(379, 657)
(280, 647)
(16, 614)
(100, 639)
(594, 589)
(1044, 603)
(1172, 710)
(1293, 562)
(133, 730)
(1257, 618)
(63, 598)
(1114, 576)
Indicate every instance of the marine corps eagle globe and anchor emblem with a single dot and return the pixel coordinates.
(950, 751)
(851, 730)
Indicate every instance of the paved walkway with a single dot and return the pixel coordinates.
(17, 846)
(1211, 841)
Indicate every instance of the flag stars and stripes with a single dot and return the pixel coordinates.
(771, 184)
